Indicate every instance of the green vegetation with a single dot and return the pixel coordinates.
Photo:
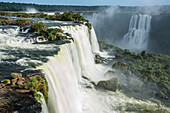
(7, 22)
(105, 46)
(152, 68)
(25, 15)
(4, 18)
(52, 34)
(16, 75)
(6, 81)
(5, 6)
(70, 16)
(89, 25)
(36, 83)
(66, 16)
(37, 96)
(4, 22)
(22, 22)
(37, 26)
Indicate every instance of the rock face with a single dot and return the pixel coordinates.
(111, 84)
(13, 101)
(19, 93)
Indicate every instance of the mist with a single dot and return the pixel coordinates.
(31, 10)
(114, 26)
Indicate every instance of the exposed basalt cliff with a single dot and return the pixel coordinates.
(20, 93)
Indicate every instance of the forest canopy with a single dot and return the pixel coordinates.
(6, 6)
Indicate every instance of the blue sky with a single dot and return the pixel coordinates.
(95, 2)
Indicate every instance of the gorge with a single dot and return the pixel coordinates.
(71, 71)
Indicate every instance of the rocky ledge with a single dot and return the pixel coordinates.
(19, 93)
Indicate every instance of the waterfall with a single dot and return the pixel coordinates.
(94, 43)
(138, 33)
(64, 70)
(69, 92)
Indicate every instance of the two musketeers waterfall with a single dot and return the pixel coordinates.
(138, 33)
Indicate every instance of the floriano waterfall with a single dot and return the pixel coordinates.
(138, 33)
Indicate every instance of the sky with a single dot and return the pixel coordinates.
(95, 2)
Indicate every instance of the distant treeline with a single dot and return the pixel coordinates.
(6, 6)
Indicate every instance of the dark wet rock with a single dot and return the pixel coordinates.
(89, 87)
(99, 59)
(111, 84)
(12, 100)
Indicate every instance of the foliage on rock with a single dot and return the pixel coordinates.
(52, 34)
(22, 22)
(16, 75)
(37, 26)
(28, 83)
(66, 16)
(6, 82)
(36, 83)
(153, 68)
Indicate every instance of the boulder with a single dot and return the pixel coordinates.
(111, 84)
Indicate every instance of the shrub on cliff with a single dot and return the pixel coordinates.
(52, 34)
(22, 22)
(67, 16)
(6, 82)
(11, 22)
(4, 22)
(36, 83)
(4, 18)
(89, 25)
(7, 22)
(37, 26)
(16, 75)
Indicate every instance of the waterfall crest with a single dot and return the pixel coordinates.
(138, 33)
(64, 70)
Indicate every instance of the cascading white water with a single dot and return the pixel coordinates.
(64, 71)
(67, 89)
(93, 40)
(138, 33)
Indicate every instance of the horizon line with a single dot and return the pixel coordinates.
(88, 5)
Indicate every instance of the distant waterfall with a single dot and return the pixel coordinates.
(138, 33)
